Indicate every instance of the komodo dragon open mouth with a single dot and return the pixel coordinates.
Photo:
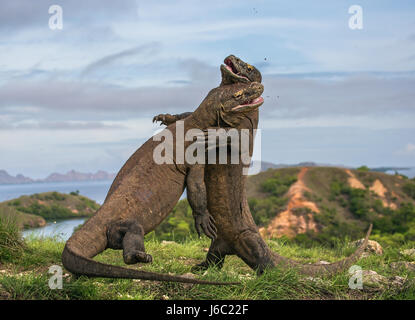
(249, 105)
(229, 65)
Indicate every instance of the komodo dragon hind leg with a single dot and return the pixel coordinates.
(218, 250)
(129, 236)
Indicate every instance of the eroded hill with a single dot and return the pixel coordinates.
(324, 202)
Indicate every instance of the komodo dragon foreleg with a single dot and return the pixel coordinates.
(195, 185)
(196, 195)
(168, 119)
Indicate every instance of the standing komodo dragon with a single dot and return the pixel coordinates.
(144, 193)
(237, 232)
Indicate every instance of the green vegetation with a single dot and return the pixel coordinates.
(409, 189)
(11, 244)
(363, 169)
(178, 226)
(32, 211)
(22, 220)
(345, 214)
(392, 227)
(274, 188)
(27, 277)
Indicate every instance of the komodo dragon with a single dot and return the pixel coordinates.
(227, 201)
(144, 193)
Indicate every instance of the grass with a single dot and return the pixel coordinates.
(26, 276)
(11, 244)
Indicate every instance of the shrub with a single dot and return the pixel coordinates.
(11, 243)
(278, 185)
(409, 189)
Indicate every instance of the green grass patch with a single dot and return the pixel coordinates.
(28, 277)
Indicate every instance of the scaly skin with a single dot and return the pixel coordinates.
(144, 193)
(227, 202)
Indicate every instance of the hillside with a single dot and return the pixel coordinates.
(34, 210)
(325, 202)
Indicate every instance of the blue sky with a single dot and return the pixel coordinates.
(83, 97)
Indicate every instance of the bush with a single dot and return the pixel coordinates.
(264, 209)
(53, 212)
(409, 189)
(11, 243)
(278, 185)
(179, 225)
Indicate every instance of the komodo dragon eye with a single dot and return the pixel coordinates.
(249, 67)
(238, 94)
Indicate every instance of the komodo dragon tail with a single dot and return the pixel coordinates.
(80, 265)
(322, 269)
(91, 240)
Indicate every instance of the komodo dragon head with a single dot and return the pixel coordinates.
(235, 70)
(228, 104)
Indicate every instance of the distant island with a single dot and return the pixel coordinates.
(75, 176)
(70, 176)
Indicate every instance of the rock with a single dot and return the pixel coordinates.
(320, 262)
(165, 242)
(165, 297)
(409, 253)
(373, 247)
(315, 280)
(4, 295)
(399, 265)
(246, 276)
(372, 281)
(206, 249)
(397, 282)
(189, 276)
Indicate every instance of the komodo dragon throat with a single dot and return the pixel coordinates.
(227, 201)
(144, 193)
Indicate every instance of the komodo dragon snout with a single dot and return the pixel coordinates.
(235, 70)
(229, 103)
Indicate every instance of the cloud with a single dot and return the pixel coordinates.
(84, 98)
(360, 97)
(409, 149)
(353, 95)
(147, 49)
(58, 125)
(22, 14)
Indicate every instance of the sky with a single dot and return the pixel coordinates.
(82, 97)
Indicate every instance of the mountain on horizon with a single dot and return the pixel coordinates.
(72, 175)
